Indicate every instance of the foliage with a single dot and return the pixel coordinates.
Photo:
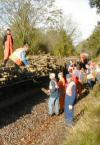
(59, 43)
(95, 3)
(25, 15)
(39, 13)
(92, 44)
(71, 28)
(1, 49)
(39, 23)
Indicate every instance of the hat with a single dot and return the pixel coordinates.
(60, 74)
(68, 76)
(52, 75)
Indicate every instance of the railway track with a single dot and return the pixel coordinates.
(17, 91)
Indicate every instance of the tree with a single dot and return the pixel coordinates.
(60, 44)
(92, 44)
(40, 12)
(71, 28)
(39, 23)
(28, 15)
(95, 3)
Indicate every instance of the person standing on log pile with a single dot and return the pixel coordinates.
(19, 56)
(70, 100)
(8, 45)
(54, 95)
(61, 84)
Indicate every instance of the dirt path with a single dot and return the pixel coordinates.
(36, 127)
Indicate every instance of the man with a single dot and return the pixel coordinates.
(54, 95)
(8, 45)
(19, 56)
(70, 99)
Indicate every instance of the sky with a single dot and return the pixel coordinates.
(81, 13)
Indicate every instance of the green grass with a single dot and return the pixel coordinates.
(87, 129)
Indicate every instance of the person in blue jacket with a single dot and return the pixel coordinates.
(19, 56)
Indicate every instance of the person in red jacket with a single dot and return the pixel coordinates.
(8, 45)
(61, 84)
(78, 79)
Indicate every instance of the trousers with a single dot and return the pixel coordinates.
(69, 113)
(53, 105)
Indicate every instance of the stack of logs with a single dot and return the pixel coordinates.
(40, 65)
(43, 64)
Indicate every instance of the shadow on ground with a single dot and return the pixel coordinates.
(13, 112)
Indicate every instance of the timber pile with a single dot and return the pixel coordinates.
(40, 66)
(43, 64)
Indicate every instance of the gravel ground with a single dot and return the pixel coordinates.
(27, 123)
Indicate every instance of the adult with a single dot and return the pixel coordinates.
(54, 95)
(90, 76)
(8, 45)
(97, 71)
(61, 84)
(78, 78)
(70, 99)
(84, 58)
(19, 56)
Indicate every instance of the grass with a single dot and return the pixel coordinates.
(97, 59)
(87, 129)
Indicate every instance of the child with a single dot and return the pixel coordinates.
(54, 96)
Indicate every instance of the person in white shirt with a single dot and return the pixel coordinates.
(70, 99)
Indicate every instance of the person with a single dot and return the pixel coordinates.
(78, 78)
(19, 56)
(70, 99)
(84, 60)
(70, 67)
(8, 46)
(97, 71)
(90, 76)
(61, 84)
(54, 95)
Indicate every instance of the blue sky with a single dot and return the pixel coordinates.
(81, 13)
